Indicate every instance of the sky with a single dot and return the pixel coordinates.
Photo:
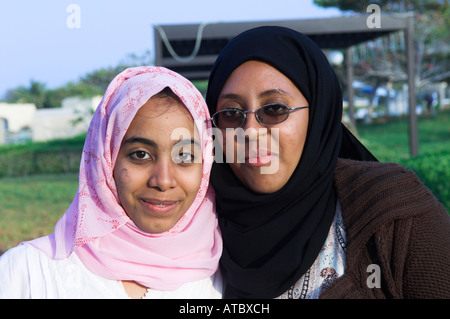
(49, 41)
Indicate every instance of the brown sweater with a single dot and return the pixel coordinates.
(395, 222)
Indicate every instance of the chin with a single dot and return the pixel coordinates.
(264, 185)
(156, 228)
(257, 182)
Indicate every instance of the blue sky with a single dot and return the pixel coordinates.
(37, 44)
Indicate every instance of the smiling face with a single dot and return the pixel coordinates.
(250, 86)
(157, 178)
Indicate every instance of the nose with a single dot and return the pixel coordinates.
(251, 120)
(162, 177)
(252, 128)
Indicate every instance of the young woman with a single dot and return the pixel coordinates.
(142, 223)
(331, 221)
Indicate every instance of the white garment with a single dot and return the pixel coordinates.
(26, 272)
(328, 266)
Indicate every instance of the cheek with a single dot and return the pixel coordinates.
(292, 141)
(190, 181)
(121, 176)
(197, 180)
(125, 176)
(125, 182)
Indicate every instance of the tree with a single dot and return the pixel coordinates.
(386, 5)
(432, 40)
(102, 77)
(35, 93)
(91, 84)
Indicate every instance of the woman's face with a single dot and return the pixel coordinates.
(157, 179)
(250, 86)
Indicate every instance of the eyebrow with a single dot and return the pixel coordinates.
(142, 140)
(233, 96)
(188, 142)
(273, 91)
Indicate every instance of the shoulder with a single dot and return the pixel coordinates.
(386, 189)
(26, 272)
(18, 259)
(386, 207)
(354, 173)
(375, 195)
(16, 265)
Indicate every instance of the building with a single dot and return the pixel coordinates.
(71, 119)
(20, 123)
(15, 122)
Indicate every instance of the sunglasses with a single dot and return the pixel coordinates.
(269, 114)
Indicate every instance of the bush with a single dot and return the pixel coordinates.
(16, 163)
(434, 171)
(55, 157)
(24, 163)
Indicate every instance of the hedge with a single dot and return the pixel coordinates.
(31, 162)
(434, 171)
(54, 157)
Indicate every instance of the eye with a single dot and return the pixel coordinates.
(186, 151)
(275, 109)
(229, 116)
(231, 113)
(184, 158)
(140, 155)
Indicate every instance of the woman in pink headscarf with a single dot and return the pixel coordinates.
(142, 224)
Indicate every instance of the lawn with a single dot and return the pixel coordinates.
(389, 141)
(31, 205)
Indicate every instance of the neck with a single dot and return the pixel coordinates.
(134, 290)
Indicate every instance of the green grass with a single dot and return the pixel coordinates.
(389, 142)
(30, 206)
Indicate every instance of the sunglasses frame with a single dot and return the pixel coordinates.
(288, 109)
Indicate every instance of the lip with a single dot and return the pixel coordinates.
(259, 160)
(159, 206)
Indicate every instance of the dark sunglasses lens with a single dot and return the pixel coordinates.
(273, 113)
(228, 119)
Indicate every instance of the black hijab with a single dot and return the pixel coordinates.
(271, 240)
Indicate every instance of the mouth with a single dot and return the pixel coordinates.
(261, 159)
(159, 206)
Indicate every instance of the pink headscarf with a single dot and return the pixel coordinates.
(96, 226)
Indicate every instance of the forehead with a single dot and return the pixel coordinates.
(259, 81)
(159, 117)
(260, 75)
(157, 106)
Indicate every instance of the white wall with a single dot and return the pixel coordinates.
(19, 116)
(70, 120)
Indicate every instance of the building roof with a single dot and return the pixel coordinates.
(175, 45)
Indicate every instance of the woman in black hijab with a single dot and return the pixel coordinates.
(273, 235)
